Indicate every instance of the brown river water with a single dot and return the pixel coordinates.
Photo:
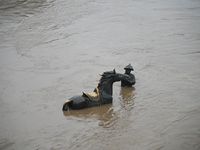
(51, 50)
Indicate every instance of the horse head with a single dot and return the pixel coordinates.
(111, 76)
(119, 76)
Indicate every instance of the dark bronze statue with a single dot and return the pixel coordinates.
(102, 93)
(131, 80)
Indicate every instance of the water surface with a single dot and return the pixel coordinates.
(52, 50)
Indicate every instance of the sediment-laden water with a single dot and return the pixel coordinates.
(52, 50)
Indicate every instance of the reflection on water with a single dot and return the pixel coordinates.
(127, 93)
(127, 97)
(106, 114)
(98, 111)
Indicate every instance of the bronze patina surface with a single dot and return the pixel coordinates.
(102, 94)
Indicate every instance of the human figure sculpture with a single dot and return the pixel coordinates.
(131, 81)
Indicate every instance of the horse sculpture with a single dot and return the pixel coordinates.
(102, 94)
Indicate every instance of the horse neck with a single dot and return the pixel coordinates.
(108, 87)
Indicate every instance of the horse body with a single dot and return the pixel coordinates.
(102, 94)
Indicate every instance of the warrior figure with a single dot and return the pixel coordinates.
(131, 80)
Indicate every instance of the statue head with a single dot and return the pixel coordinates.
(128, 69)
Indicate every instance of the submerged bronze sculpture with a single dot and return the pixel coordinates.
(102, 93)
(131, 81)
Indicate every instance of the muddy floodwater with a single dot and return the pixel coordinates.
(51, 50)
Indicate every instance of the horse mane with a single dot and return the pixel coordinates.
(105, 77)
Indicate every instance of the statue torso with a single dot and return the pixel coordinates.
(127, 83)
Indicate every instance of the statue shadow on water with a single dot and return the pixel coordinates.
(107, 114)
(127, 95)
(98, 110)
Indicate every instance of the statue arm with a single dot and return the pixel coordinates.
(131, 80)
